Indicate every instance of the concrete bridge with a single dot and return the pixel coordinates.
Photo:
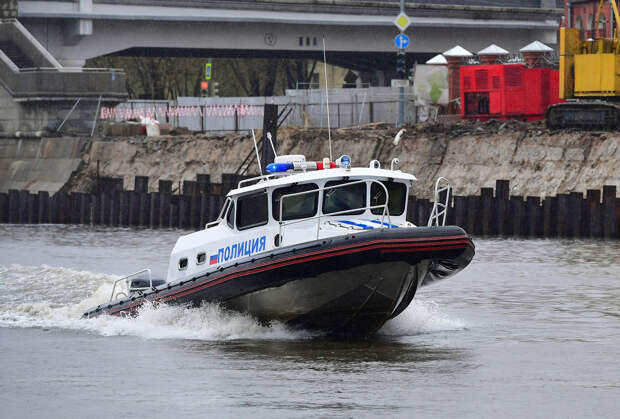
(44, 43)
(359, 34)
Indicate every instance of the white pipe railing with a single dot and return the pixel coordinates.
(256, 179)
(125, 278)
(440, 209)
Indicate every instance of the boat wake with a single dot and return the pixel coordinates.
(53, 297)
(422, 316)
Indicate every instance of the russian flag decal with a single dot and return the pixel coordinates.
(213, 259)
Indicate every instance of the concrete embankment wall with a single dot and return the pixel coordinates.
(536, 162)
(40, 164)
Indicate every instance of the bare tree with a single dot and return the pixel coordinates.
(168, 78)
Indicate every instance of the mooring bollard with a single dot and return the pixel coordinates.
(593, 214)
(114, 208)
(4, 208)
(204, 183)
(562, 215)
(174, 216)
(165, 186)
(423, 212)
(501, 208)
(194, 211)
(575, 221)
(43, 207)
(164, 209)
(199, 202)
(154, 210)
(141, 184)
(516, 220)
(52, 208)
(486, 198)
(183, 211)
(534, 215)
(92, 209)
(610, 213)
(22, 211)
(412, 209)
(460, 211)
(204, 211)
(33, 213)
(473, 218)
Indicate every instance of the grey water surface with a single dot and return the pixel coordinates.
(530, 329)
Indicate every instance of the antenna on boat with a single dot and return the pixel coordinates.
(329, 134)
(260, 169)
(272, 147)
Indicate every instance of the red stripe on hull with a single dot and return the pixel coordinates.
(403, 245)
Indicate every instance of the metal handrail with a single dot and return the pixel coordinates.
(73, 69)
(347, 211)
(221, 216)
(440, 209)
(125, 278)
(257, 178)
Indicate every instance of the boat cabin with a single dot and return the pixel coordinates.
(290, 208)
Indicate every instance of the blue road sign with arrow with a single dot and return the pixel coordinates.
(401, 41)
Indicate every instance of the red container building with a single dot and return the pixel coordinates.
(507, 91)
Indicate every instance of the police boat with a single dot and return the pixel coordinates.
(316, 245)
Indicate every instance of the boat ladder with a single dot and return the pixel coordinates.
(442, 195)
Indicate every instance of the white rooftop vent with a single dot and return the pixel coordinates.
(493, 50)
(290, 158)
(536, 46)
(438, 60)
(457, 51)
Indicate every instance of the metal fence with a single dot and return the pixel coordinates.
(303, 107)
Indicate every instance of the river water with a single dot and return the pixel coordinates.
(530, 329)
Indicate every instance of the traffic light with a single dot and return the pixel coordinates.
(401, 66)
(204, 89)
(216, 89)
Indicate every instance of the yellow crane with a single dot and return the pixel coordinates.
(589, 78)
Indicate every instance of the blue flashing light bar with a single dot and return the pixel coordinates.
(279, 167)
(345, 161)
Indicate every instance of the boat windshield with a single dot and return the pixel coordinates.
(295, 207)
(252, 210)
(397, 197)
(230, 217)
(344, 198)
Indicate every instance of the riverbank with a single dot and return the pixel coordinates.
(537, 162)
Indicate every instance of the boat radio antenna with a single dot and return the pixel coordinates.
(329, 134)
(260, 168)
(271, 142)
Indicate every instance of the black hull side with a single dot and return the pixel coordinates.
(345, 285)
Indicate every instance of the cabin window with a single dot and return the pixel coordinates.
(182, 264)
(252, 210)
(201, 258)
(230, 218)
(295, 207)
(397, 197)
(338, 200)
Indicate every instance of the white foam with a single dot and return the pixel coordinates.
(422, 316)
(53, 297)
(53, 286)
